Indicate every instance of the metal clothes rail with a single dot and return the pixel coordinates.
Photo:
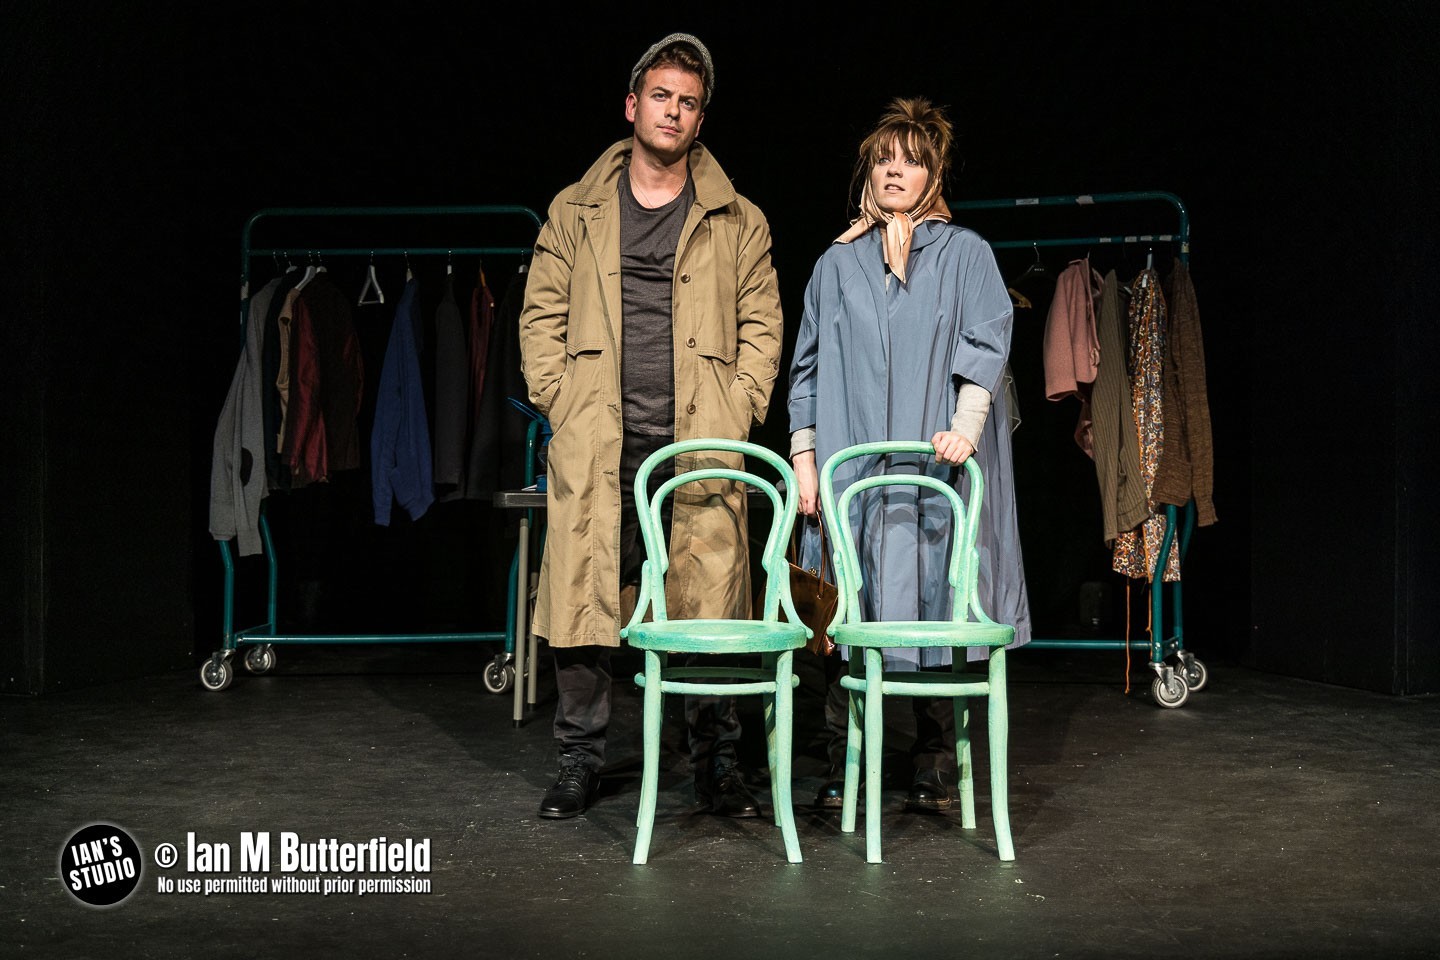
(217, 672)
(1181, 236)
(1178, 673)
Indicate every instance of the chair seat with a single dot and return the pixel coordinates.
(924, 633)
(717, 636)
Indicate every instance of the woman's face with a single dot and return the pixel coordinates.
(897, 182)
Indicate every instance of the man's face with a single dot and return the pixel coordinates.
(666, 112)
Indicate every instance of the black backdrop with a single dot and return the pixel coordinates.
(138, 142)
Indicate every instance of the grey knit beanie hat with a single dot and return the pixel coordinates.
(644, 62)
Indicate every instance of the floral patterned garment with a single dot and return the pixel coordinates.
(1135, 550)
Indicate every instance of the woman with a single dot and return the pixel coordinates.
(905, 336)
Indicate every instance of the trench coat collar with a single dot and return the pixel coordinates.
(713, 189)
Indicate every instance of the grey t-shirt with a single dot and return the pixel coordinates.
(648, 241)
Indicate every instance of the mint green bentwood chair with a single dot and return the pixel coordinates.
(871, 638)
(775, 640)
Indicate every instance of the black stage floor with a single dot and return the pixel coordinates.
(1267, 818)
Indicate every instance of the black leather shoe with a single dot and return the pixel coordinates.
(831, 795)
(928, 793)
(573, 791)
(727, 796)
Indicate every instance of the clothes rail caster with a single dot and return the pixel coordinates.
(500, 673)
(1169, 688)
(1197, 675)
(217, 672)
(260, 658)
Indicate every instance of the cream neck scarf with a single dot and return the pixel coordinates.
(899, 227)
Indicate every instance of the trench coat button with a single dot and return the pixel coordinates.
(684, 278)
(690, 409)
(690, 342)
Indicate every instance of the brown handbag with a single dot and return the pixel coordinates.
(815, 598)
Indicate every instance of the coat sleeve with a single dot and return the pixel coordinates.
(237, 481)
(758, 317)
(545, 317)
(985, 320)
(452, 393)
(306, 451)
(804, 366)
(1186, 467)
(1071, 350)
(223, 468)
(413, 478)
(400, 442)
(385, 432)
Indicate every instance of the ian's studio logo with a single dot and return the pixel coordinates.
(100, 865)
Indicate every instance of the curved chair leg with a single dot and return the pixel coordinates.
(644, 768)
(854, 746)
(874, 750)
(999, 724)
(780, 760)
(650, 778)
(964, 760)
(771, 709)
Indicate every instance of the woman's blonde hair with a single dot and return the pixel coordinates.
(921, 131)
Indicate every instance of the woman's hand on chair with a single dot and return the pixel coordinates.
(950, 448)
(807, 480)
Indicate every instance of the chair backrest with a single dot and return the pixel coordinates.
(964, 566)
(657, 554)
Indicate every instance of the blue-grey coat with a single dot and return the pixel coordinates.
(876, 359)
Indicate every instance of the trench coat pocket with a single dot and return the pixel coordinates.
(724, 407)
(582, 382)
(744, 408)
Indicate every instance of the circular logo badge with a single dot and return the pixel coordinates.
(100, 865)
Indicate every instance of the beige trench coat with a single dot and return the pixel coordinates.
(727, 336)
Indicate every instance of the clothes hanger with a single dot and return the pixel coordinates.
(372, 282)
(1095, 278)
(310, 272)
(449, 263)
(409, 274)
(1036, 270)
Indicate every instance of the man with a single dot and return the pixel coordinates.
(651, 315)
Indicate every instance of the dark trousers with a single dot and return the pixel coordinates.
(583, 677)
(934, 744)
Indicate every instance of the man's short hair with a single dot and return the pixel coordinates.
(684, 52)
